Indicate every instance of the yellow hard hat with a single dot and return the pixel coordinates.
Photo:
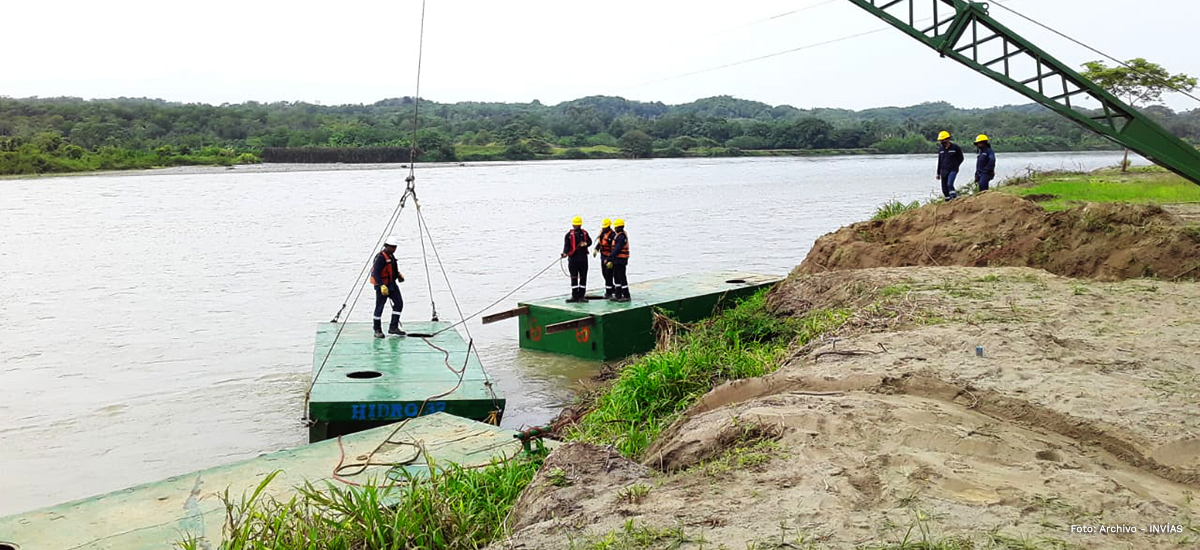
(577, 220)
(619, 223)
(607, 222)
(943, 135)
(981, 137)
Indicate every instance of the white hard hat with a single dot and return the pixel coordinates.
(392, 240)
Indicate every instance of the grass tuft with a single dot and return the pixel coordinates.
(893, 208)
(1139, 187)
(452, 508)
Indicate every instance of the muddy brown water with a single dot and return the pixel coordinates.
(156, 323)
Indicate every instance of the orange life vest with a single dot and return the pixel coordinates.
(623, 253)
(606, 241)
(388, 274)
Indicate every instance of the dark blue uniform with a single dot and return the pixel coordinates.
(575, 246)
(384, 274)
(605, 243)
(985, 166)
(620, 259)
(950, 158)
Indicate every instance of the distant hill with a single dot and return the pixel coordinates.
(713, 125)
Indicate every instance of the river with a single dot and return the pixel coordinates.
(159, 322)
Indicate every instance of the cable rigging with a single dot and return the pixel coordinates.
(1162, 81)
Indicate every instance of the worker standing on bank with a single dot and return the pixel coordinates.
(985, 163)
(617, 260)
(950, 158)
(604, 245)
(575, 249)
(384, 276)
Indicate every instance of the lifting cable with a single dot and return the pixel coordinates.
(423, 233)
(470, 339)
(409, 190)
(1165, 83)
(359, 284)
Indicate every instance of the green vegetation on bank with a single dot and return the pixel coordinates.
(56, 134)
(40, 158)
(1058, 190)
(454, 508)
(1144, 185)
(465, 508)
(743, 342)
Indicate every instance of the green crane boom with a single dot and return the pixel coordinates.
(964, 31)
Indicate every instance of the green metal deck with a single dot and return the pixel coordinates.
(156, 515)
(612, 330)
(370, 381)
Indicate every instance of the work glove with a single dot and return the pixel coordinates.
(608, 265)
(399, 278)
(595, 252)
(383, 290)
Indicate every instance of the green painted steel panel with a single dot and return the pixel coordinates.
(406, 371)
(621, 329)
(156, 515)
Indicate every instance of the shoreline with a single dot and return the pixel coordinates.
(281, 167)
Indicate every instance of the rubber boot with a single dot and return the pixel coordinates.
(378, 329)
(394, 328)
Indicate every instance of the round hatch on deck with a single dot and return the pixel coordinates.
(362, 374)
(9, 546)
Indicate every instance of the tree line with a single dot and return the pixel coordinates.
(67, 134)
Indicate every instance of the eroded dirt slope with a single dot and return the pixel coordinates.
(1084, 409)
(1108, 242)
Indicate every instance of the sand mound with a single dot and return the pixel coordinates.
(1084, 409)
(1108, 242)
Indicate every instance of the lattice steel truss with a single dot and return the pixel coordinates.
(967, 33)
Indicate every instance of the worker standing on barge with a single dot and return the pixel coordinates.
(575, 249)
(604, 244)
(384, 276)
(617, 260)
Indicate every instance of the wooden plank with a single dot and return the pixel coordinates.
(488, 319)
(571, 325)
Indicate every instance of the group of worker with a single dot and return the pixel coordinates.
(613, 242)
(950, 158)
(613, 248)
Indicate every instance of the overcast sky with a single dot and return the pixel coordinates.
(360, 51)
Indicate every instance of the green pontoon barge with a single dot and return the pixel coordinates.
(369, 382)
(604, 330)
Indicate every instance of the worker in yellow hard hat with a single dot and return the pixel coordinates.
(985, 162)
(617, 260)
(604, 245)
(950, 158)
(575, 249)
